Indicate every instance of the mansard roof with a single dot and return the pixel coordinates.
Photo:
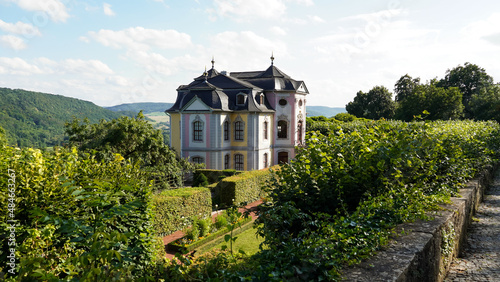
(272, 79)
(219, 91)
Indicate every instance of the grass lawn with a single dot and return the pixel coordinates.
(247, 241)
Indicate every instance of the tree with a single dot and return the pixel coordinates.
(469, 78)
(375, 104)
(485, 105)
(134, 139)
(440, 103)
(405, 86)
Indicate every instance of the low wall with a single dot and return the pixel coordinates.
(424, 250)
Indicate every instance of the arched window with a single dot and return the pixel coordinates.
(226, 130)
(238, 162)
(239, 131)
(266, 160)
(226, 161)
(197, 160)
(266, 129)
(261, 99)
(282, 129)
(198, 131)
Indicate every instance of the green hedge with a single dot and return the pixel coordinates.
(174, 208)
(244, 187)
(214, 175)
(212, 239)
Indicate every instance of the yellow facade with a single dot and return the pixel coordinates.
(175, 132)
(244, 118)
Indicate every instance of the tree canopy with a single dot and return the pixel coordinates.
(132, 138)
(375, 104)
(465, 92)
(469, 78)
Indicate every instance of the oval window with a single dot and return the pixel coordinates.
(300, 103)
(282, 102)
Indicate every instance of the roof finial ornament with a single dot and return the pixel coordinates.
(213, 62)
(272, 58)
(205, 74)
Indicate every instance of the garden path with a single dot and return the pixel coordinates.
(179, 234)
(480, 260)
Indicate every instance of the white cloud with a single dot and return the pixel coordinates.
(278, 31)
(78, 66)
(242, 10)
(107, 9)
(139, 38)
(316, 19)
(55, 9)
(17, 66)
(20, 28)
(304, 2)
(483, 29)
(246, 49)
(13, 42)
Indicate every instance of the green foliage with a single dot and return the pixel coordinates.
(405, 86)
(485, 105)
(200, 180)
(469, 79)
(441, 103)
(186, 244)
(220, 221)
(194, 231)
(344, 117)
(174, 208)
(144, 107)
(3, 139)
(336, 203)
(77, 217)
(244, 187)
(375, 104)
(34, 119)
(134, 139)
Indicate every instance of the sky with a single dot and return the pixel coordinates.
(117, 52)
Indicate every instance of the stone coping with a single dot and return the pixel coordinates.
(425, 250)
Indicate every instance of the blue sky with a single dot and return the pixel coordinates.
(117, 52)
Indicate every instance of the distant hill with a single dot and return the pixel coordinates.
(146, 108)
(34, 119)
(313, 111)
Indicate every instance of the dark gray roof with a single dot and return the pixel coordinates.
(219, 91)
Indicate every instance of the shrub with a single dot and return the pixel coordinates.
(204, 226)
(200, 180)
(79, 218)
(244, 187)
(220, 221)
(173, 208)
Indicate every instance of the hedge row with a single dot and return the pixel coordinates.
(244, 187)
(175, 208)
(214, 175)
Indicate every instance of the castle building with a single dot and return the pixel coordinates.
(244, 120)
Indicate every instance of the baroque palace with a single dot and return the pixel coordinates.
(242, 120)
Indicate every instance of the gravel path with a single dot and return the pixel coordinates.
(480, 260)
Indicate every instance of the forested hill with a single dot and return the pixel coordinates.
(34, 119)
(146, 108)
(161, 107)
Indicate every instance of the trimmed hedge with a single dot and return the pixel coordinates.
(212, 239)
(244, 187)
(214, 175)
(174, 208)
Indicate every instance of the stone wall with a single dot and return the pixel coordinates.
(423, 250)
